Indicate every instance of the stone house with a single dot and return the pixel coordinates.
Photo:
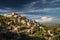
(23, 21)
(19, 19)
(28, 24)
(7, 15)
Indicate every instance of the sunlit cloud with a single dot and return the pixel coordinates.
(45, 19)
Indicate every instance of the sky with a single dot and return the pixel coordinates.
(43, 11)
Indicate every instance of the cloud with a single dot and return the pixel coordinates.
(1, 10)
(50, 2)
(34, 5)
(44, 19)
(31, 16)
(40, 10)
(6, 9)
(30, 6)
(56, 1)
(44, 1)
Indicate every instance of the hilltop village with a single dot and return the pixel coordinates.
(18, 24)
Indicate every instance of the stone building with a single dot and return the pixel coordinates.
(23, 21)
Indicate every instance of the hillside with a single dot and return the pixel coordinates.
(14, 22)
(17, 27)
